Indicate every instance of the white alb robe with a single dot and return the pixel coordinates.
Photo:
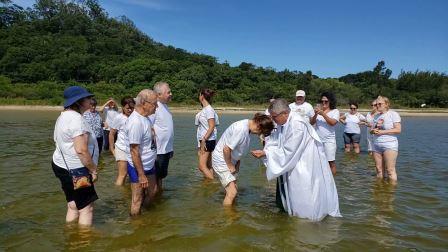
(295, 156)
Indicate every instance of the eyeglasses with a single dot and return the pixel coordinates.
(275, 116)
(353, 108)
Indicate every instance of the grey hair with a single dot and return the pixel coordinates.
(279, 106)
(145, 95)
(158, 87)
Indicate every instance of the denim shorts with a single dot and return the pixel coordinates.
(133, 175)
(351, 138)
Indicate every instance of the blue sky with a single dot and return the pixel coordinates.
(331, 38)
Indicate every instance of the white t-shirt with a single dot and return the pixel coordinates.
(162, 122)
(138, 131)
(352, 123)
(385, 121)
(326, 132)
(109, 115)
(118, 124)
(305, 108)
(69, 125)
(369, 120)
(237, 138)
(202, 118)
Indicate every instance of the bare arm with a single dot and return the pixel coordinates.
(211, 128)
(395, 130)
(138, 165)
(81, 147)
(111, 137)
(329, 120)
(227, 152)
(342, 119)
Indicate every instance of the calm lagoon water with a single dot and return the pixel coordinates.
(189, 216)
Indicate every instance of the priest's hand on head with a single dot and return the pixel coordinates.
(258, 153)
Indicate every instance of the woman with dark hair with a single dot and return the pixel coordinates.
(93, 118)
(109, 110)
(352, 131)
(117, 129)
(232, 145)
(76, 156)
(206, 120)
(325, 118)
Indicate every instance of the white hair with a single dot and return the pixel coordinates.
(145, 95)
(279, 106)
(158, 87)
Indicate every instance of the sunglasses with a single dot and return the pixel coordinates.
(379, 104)
(324, 101)
(373, 105)
(353, 108)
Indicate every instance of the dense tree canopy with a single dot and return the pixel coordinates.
(59, 43)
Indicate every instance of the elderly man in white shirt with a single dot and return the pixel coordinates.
(163, 127)
(295, 156)
(301, 106)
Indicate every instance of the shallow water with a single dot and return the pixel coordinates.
(377, 216)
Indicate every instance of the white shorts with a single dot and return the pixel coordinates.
(120, 155)
(381, 147)
(330, 151)
(224, 175)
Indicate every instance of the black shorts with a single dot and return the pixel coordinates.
(210, 145)
(82, 197)
(351, 138)
(162, 162)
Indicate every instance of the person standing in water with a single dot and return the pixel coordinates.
(207, 120)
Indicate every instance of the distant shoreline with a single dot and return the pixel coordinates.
(233, 110)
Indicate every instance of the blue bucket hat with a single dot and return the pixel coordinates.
(73, 94)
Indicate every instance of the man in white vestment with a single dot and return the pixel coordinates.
(295, 156)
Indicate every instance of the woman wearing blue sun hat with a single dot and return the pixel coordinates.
(76, 156)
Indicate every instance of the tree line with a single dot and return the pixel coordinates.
(57, 43)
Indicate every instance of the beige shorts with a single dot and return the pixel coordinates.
(224, 175)
(120, 155)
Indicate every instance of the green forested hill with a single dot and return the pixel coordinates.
(59, 43)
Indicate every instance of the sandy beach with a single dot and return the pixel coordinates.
(236, 110)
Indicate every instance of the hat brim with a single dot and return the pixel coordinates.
(72, 100)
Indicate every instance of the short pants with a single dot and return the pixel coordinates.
(351, 138)
(381, 147)
(82, 197)
(133, 175)
(161, 165)
(120, 155)
(330, 151)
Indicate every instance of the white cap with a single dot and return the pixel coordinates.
(300, 93)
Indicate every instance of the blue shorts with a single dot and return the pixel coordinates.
(133, 175)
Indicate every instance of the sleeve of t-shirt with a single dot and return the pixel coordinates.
(361, 117)
(335, 114)
(395, 117)
(209, 113)
(135, 132)
(77, 127)
(236, 138)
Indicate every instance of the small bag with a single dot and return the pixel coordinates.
(80, 176)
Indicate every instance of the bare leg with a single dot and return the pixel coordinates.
(86, 215)
(332, 167)
(378, 157)
(122, 172)
(390, 159)
(137, 198)
(356, 148)
(347, 148)
(153, 188)
(231, 190)
(203, 167)
(72, 212)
